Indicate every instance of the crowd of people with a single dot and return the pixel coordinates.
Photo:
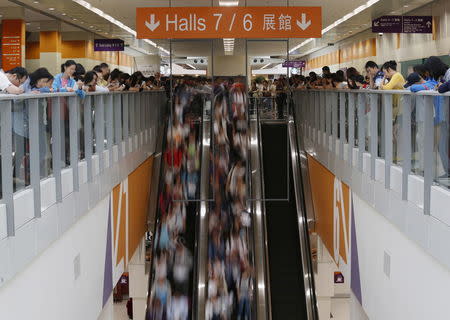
(75, 78)
(173, 261)
(432, 75)
(230, 273)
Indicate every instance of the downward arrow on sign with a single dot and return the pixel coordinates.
(304, 24)
(152, 25)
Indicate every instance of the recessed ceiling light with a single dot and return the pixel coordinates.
(28, 23)
(51, 9)
(74, 19)
(406, 6)
(35, 2)
(64, 14)
(91, 27)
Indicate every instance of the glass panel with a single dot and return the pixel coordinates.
(21, 145)
(65, 132)
(397, 106)
(442, 141)
(417, 136)
(45, 149)
(81, 154)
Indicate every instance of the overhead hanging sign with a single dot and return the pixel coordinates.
(229, 22)
(294, 64)
(109, 45)
(403, 24)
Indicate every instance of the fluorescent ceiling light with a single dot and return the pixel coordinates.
(228, 3)
(265, 66)
(191, 66)
(338, 22)
(118, 23)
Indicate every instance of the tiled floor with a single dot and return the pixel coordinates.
(120, 310)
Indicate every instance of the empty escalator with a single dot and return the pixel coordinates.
(287, 288)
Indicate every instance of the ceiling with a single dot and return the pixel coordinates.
(76, 16)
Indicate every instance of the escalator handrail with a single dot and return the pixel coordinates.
(311, 300)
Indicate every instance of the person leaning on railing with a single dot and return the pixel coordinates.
(11, 81)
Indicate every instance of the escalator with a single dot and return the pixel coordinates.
(288, 254)
(174, 250)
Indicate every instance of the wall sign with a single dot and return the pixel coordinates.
(294, 64)
(403, 24)
(229, 22)
(109, 45)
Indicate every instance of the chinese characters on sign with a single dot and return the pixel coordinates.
(236, 22)
(13, 38)
(109, 45)
(403, 24)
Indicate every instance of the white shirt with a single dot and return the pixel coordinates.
(4, 81)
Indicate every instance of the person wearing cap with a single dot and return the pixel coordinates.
(416, 83)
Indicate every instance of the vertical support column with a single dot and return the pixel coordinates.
(428, 152)
(7, 169)
(321, 116)
(88, 136)
(118, 122)
(109, 127)
(99, 130)
(387, 106)
(74, 102)
(13, 43)
(361, 130)
(50, 49)
(317, 116)
(56, 145)
(373, 133)
(351, 127)
(342, 124)
(35, 175)
(406, 143)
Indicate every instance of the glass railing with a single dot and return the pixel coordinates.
(44, 134)
(408, 130)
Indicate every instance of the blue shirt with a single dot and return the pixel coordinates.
(57, 84)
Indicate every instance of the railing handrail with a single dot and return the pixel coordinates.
(402, 92)
(7, 96)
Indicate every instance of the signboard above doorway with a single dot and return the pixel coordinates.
(229, 22)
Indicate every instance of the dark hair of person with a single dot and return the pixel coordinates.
(436, 67)
(104, 65)
(97, 69)
(136, 78)
(390, 65)
(20, 72)
(38, 74)
(338, 76)
(89, 76)
(67, 64)
(115, 74)
(79, 72)
(371, 64)
(326, 68)
(422, 70)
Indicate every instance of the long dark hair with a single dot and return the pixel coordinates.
(67, 64)
(391, 64)
(89, 76)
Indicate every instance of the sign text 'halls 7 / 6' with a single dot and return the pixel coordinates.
(229, 22)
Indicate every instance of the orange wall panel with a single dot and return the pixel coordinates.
(32, 50)
(331, 202)
(13, 38)
(50, 41)
(73, 49)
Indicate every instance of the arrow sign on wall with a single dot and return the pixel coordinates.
(303, 24)
(152, 25)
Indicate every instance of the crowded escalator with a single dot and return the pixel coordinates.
(171, 281)
(230, 268)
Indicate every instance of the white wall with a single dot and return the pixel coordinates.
(47, 288)
(418, 287)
